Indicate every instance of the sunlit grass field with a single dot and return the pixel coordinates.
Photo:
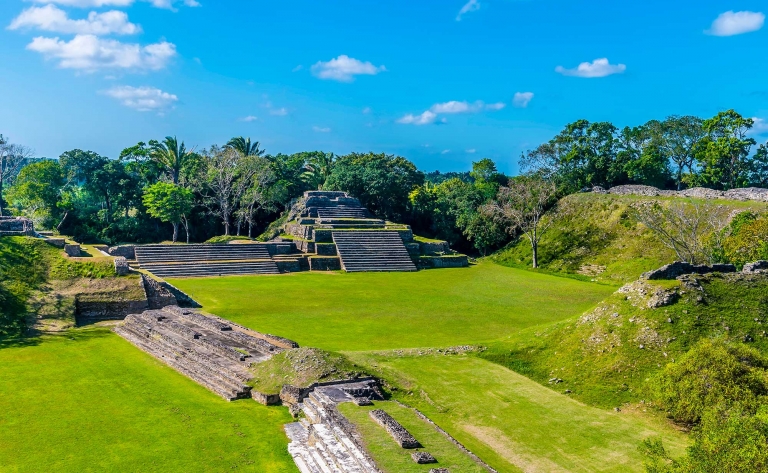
(88, 401)
(375, 311)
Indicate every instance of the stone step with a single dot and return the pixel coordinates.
(372, 251)
(213, 269)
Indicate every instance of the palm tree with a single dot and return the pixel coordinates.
(245, 147)
(170, 155)
(317, 168)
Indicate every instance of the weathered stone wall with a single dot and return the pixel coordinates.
(157, 295)
(397, 431)
(326, 249)
(96, 311)
(57, 242)
(325, 235)
(289, 266)
(305, 246)
(280, 247)
(756, 267)
(324, 263)
(299, 231)
(744, 194)
(448, 261)
(434, 247)
(126, 251)
(16, 226)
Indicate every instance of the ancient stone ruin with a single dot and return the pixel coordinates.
(16, 226)
(324, 440)
(209, 350)
(325, 231)
(744, 194)
(336, 232)
(393, 427)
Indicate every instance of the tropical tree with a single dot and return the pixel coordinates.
(256, 189)
(36, 191)
(170, 155)
(170, 203)
(724, 158)
(221, 173)
(317, 168)
(680, 140)
(245, 147)
(12, 158)
(521, 206)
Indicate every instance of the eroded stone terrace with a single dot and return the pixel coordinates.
(210, 351)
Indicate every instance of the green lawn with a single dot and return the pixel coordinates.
(376, 311)
(389, 456)
(516, 424)
(89, 401)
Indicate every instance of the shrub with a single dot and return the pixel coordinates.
(748, 240)
(712, 373)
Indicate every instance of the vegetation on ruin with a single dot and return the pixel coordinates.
(394, 459)
(302, 367)
(87, 400)
(375, 311)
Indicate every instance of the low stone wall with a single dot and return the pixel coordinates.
(157, 295)
(448, 261)
(16, 226)
(57, 242)
(756, 267)
(744, 194)
(280, 247)
(126, 251)
(305, 246)
(299, 231)
(266, 399)
(97, 311)
(324, 263)
(679, 268)
(397, 431)
(325, 235)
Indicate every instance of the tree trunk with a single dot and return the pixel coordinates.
(535, 250)
(186, 228)
(175, 231)
(58, 227)
(226, 227)
(2, 181)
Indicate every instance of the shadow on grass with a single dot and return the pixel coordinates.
(75, 335)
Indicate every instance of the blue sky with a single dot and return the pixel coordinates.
(415, 78)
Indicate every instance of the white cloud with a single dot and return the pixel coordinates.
(454, 106)
(522, 99)
(597, 68)
(366, 110)
(760, 126)
(320, 129)
(425, 118)
(249, 118)
(143, 99)
(297, 68)
(90, 53)
(51, 18)
(470, 6)
(471, 151)
(280, 112)
(445, 151)
(167, 4)
(495, 106)
(344, 69)
(732, 23)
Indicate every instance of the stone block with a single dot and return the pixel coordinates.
(423, 458)
(326, 249)
(434, 247)
(289, 266)
(290, 394)
(447, 261)
(126, 251)
(397, 431)
(72, 250)
(266, 399)
(121, 266)
(57, 242)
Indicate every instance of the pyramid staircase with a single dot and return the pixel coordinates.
(177, 261)
(372, 251)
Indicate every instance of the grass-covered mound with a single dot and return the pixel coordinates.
(87, 400)
(302, 367)
(595, 235)
(224, 239)
(379, 311)
(607, 355)
(39, 285)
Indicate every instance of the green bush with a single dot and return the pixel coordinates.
(712, 373)
(748, 240)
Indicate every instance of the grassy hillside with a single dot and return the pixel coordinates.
(377, 311)
(38, 283)
(88, 401)
(606, 356)
(595, 236)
